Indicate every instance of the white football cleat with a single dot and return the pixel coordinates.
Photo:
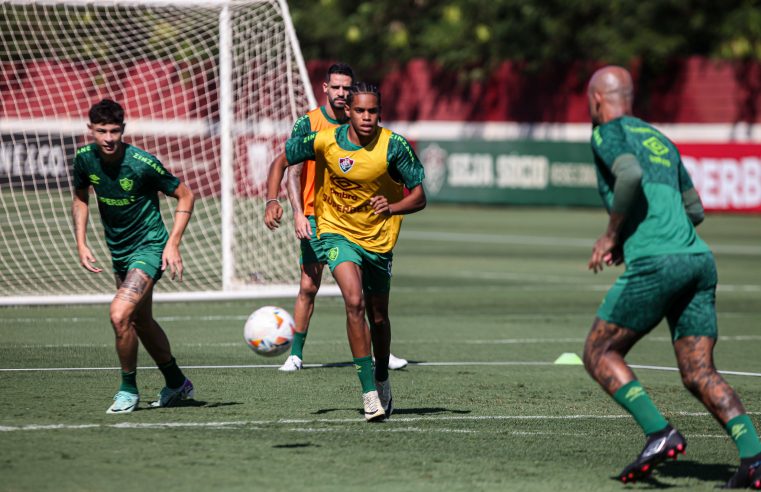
(395, 363)
(292, 363)
(124, 402)
(373, 408)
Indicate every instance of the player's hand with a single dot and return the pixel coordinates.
(380, 205)
(86, 259)
(303, 227)
(615, 257)
(171, 258)
(272, 215)
(602, 253)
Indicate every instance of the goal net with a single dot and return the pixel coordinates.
(211, 88)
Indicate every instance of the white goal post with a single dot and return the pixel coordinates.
(212, 88)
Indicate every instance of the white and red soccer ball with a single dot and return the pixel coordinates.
(269, 331)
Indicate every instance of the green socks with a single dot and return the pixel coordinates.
(172, 374)
(637, 402)
(744, 434)
(129, 382)
(364, 366)
(298, 344)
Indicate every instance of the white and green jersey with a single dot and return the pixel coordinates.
(127, 195)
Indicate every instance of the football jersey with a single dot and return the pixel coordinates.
(657, 224)
(127, 196)
(314, 121)
(348, 175)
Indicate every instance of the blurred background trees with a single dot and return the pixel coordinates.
(471, 37)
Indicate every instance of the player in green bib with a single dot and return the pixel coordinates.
(126, 181)
(670, 273)
(360, 175)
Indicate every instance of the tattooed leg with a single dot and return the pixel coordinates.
(695, 358)
(604, 351)
(131, 292)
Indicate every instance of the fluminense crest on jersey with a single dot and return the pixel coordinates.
(126, 184)
(345, 163)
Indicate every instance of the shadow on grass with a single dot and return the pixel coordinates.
(707, 472)
(429, 411)
(296, 445)
(196, 404)
(401, 411)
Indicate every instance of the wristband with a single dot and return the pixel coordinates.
(271, 200)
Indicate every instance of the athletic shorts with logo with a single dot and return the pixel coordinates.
(147, 259)
(311, 249)
(680, 287)
(376, 267)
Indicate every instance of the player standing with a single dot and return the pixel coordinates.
(670, 272)
(300, 185)
(126, 181)
(362, 170)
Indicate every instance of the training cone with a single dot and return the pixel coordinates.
(569, 359)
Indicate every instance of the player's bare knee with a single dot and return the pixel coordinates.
(355, 306)
(379, 322)
(694, 378)
(121, 324)
(308, 292)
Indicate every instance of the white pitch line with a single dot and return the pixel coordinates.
(358, 421)
(486, 341)
(348, 364)
(553, 241)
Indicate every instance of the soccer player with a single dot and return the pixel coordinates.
(300, 186)
(670, 272)
(362, 170)
(126, 181)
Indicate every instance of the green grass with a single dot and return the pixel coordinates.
(493, 294)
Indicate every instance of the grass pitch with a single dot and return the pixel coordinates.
(483, 301)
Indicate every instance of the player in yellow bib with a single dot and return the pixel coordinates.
(300, 185)
(361, 172)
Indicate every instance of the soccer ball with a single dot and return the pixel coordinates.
(269, 331)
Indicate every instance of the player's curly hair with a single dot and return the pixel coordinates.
(107, 112)
(363, 88)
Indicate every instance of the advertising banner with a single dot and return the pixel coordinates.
(531, 172)
(35, 160)
(526, 172)
(727, 176)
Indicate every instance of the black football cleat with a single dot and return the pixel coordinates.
(663, 445)
(748, 475)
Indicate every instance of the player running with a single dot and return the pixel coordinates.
(126, 181)
(361, 173)
(300, 185)
(670, 272)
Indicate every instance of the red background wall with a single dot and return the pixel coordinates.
(695, 90)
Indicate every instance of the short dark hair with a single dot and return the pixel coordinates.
(341, 69)
(363, 88)
(107, 112)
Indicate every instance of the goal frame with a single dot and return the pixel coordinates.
(229, 291)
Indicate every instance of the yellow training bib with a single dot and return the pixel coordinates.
(345, 182)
